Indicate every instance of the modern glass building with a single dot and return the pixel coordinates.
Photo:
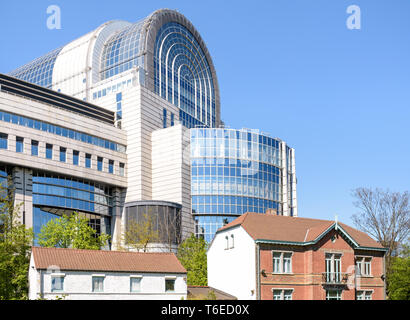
(239, 171)
(165, 46)
(101, 125)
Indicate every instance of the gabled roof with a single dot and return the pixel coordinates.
(296, 230)
(197, 291)
(108, 261)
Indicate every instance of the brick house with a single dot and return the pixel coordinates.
(264, 256)
(96, 274)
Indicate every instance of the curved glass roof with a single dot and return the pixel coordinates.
(182, 73)
(122, 51)
(39, 71)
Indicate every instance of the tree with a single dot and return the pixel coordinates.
(192, 255)
(384, 215)
(15, 245)
(139, 234)
(399, 277)
(71, 232)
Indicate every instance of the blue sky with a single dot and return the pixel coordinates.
(291, 68)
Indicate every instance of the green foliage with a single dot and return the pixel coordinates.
(139, 234)
(15, 245)
(71, 232)
(192, 255)
(399, 276)
(210, 296)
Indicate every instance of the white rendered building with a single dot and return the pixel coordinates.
(105, 275)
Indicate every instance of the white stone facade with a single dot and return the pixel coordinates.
(116, 285)
(232, 263)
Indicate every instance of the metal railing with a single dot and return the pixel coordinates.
(335, 278)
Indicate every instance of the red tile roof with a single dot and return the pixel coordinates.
(294, 229)
(109, 261)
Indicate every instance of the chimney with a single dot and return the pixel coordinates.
(271, 211)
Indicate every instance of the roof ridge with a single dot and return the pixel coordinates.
(102, 251)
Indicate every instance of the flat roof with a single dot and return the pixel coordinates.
(59, 100)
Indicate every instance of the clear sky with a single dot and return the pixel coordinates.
(291, 68)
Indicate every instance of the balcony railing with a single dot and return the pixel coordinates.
(335, 278)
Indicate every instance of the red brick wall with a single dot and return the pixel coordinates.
(308, 265)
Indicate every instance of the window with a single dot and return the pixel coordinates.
(57, 283)
(34, 148)
(49, 151)
(122, 169)
(111, 166)
(98, 284)
(19, 144)
(364, 295)
(363, 265)
(88, 160)
(333, 294)
(63, 152)
(169, 285)
(135, 284)
(282, 294)
(282, 262)
(287, 261)
(3, 141)
(333, 268)
(172, 119)
(75, 157)
(164, 118)
(99, 164)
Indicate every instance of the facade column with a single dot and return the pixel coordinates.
(23, 194)
(116, 219)
(285, 210)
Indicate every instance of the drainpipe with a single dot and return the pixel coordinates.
(258, 286)
(41, 284)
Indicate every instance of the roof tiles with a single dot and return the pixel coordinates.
(108, 261)
(294, 229)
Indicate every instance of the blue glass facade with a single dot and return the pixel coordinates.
(233, 172)
(70, 193)
(39, 71)
(55, 195)
(182, 73)
(60, 131)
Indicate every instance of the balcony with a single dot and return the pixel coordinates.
(335, 278)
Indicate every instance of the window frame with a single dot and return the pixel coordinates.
(173, 281)
(88, 160)
(282, 293)
(100, 163)
(4, 137)
(76, 157)
(338, 291)
(49, 151)
(63, 154)
(136, 277)
(97, 277)
(53, 277)
(362, 266)
(34, 146)
(333, 266)
(19, 144)
(282, 261)
(363, 294)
